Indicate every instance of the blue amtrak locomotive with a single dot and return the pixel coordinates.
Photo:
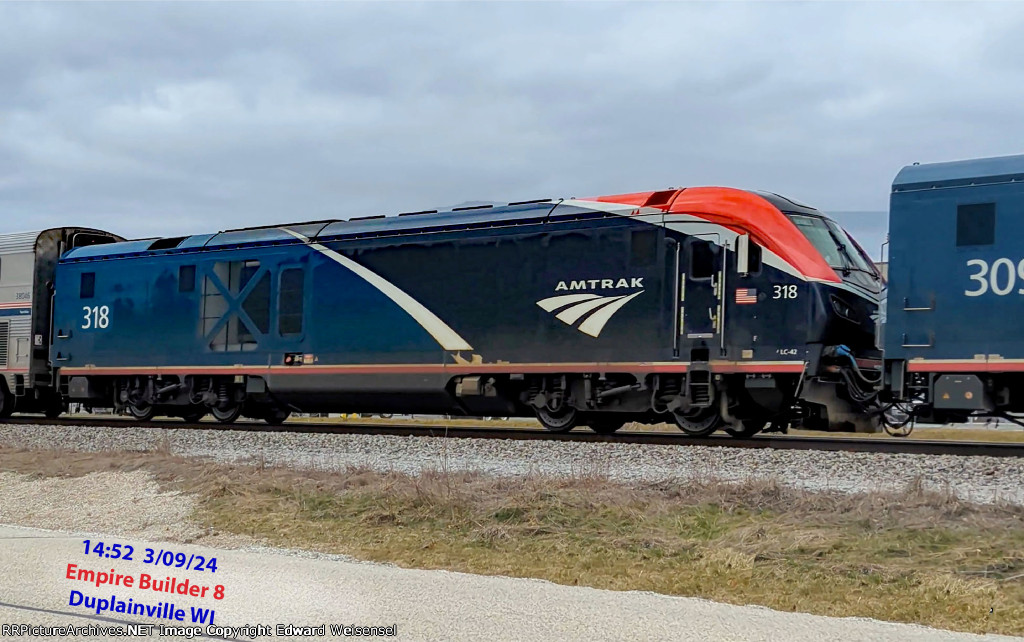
(712, 307)
(953, 339)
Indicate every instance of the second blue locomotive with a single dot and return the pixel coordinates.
(953, 339)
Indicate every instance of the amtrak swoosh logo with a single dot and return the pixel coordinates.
(595, 310)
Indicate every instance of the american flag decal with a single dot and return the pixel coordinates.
(746, 295)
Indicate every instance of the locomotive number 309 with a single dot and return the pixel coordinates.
(1000, 277)
(96, 317)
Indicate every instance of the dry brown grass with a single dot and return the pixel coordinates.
(913, 556)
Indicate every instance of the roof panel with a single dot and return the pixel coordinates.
(239, 237)
(976, 170)
(576, 209)
(109, 249)
(437, 220)
(192, 242)
(390, 225)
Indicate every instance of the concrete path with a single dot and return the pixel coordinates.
(278, 587)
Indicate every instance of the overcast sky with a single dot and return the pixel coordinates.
(166, 119)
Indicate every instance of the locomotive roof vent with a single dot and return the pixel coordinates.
(366, 218)
(419, 212)
(471, 207)
(167, 243)
(658, 199)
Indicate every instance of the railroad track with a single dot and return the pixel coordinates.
(777, 442)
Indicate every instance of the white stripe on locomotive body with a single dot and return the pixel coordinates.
(596, 322)
(573, 314)
(556, 302)
(442, 333)
(696, 226)
(599, 308)
(621, 209)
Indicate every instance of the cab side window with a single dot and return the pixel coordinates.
(702, 260)
(976, 224)
(187, 278)
(87, 288)
(754, 258)
(643, 248)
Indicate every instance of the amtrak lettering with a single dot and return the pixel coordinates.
(605, 284)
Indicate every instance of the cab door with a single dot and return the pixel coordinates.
(700, 297)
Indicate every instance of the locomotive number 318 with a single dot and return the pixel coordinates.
(96, 317)
(1001, 277)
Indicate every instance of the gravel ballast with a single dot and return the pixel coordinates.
(979, 479)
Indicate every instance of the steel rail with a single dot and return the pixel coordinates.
(886, 445)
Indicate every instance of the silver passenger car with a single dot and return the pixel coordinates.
(27, 264)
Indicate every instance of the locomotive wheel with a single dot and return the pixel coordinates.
(605, 425)
(699, 423)
(562, 421)
(276, 417)
(143, 412)
(749, 428)
(7, 401)
(226, 416)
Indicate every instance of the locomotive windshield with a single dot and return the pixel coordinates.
(836, 246)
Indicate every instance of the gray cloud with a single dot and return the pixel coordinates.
(161, 119)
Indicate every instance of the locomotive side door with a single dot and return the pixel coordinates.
(700, 297)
